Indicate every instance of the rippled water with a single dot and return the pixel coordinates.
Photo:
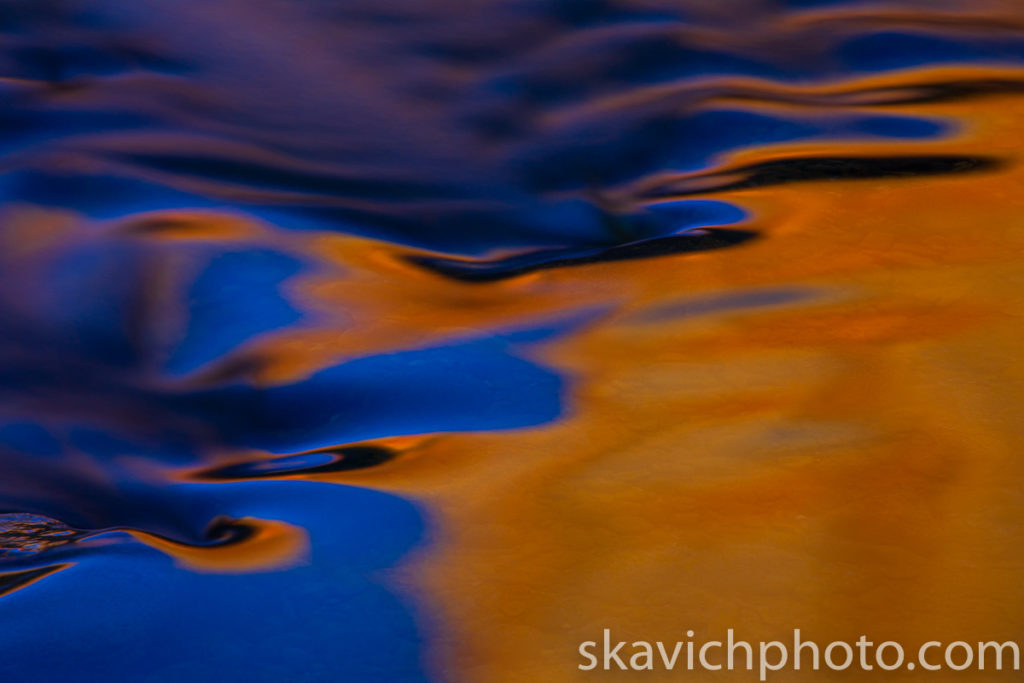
(380, 341)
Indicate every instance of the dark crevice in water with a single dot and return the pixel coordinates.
(317, 462)
(948, 91)
(911, 93)
(255, 175)
(226, 531)
(703, 239)
(804, 169)
(12, 581)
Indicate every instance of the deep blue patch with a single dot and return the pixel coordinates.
(88, 308)
(888, 50)
(898, 127)
(477, 385)
(125, 613)
(101, 196)
(236, 297)
(30, 438)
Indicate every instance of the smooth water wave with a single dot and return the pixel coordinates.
(385, 341)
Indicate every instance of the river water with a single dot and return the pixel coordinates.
(401, 341)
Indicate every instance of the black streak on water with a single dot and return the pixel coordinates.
(342, 460)
(784, 171)
(704, 239)
(12, 581)
(950, 91)
(227, 531)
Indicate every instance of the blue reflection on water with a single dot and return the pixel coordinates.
(128, 614)
(515, 133)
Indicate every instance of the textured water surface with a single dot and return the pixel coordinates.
(377, 340)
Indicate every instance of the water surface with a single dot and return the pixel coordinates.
(398, 341)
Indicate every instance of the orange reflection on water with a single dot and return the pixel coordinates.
(843, 462)
(268, 545)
